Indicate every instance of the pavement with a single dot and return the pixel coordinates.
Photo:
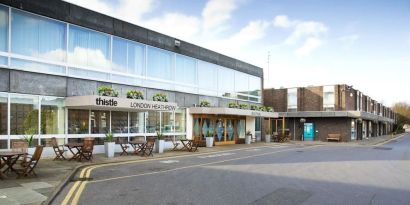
(53, 174)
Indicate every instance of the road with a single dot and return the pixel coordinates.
(292, 174)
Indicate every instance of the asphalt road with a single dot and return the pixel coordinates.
(266, 175)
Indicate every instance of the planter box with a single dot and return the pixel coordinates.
(159, 146)
(248, 139)
(109, 148)
(267, 138)
(209, 141)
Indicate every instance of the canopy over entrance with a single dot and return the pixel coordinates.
(231, 111)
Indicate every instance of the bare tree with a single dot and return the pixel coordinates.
(402, 109)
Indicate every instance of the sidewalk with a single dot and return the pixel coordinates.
(50, 174)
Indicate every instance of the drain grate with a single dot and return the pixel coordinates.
(383, 148)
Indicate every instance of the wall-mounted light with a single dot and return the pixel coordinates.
(302, 120)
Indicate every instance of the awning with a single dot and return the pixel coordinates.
(96, 102)
(231, 111)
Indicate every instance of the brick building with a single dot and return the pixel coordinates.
(333, 109)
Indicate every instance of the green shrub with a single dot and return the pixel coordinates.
(107, 91)
(135, 94)
(161, 97)
(233, 105)
(204, 103)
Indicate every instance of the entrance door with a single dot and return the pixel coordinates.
(308, 132)
(359, 131)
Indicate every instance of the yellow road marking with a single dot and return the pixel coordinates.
(86, 172)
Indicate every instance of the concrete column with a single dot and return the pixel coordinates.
(189, 124)
(250, 125)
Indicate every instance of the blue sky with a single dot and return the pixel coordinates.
(364, 43)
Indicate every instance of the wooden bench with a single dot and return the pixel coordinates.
(335, 137)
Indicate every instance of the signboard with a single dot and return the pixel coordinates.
(112, 103)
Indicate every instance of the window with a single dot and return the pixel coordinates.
(167, 122)
(119, 122)
(137, 122)
(3, 60)
(4, 31)
(100, 122)
(328, 98)
(36, 67)
(226, 82)
(241, 83)
(292, 100)
(159, 64)
(255, 86)
(185, 70)
(78, 121)
(3, 114)
(88, 48)
(37, 37)
(127, 56)
(207, 78)
(23, 115)
(180, 120)
(52, 115)
(153, 121)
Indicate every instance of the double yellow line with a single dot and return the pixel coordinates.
(76, 190)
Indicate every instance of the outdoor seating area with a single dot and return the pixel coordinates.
(18, 161)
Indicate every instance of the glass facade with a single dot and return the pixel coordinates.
(78, 121)
(119, 122)
(37, 37)
(52, 115)
(4, 24)
(40, 44)
(153, 122)
(23, 114)
(100, 122)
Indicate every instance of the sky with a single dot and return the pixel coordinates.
(364, 43)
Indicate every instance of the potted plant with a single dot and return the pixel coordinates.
(204, 103)
(248, 137)
(268, 109)
(159, 143)
(262, 108)
(233, 105)
(268, 135)
(107, 91)
(29, 138)
(254, 107)
(109, 145)
(135, 94)
(160, 97)
(243, 106)
(209, 139)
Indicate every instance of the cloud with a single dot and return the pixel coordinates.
(310, 45)
(307, 35)
(282, 21)
(175, 24)
(349, 40)
(217, 12)
(250, 33)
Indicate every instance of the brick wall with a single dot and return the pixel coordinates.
(310, 99)
(324, 126)
(277, 98)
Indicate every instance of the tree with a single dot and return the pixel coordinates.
(402, 109)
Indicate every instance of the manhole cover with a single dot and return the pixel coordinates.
(383, 148)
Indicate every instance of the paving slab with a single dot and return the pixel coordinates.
(36, 185)
(23, 195)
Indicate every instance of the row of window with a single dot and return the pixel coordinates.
(44, 115)
(40, 44)
(328, 99)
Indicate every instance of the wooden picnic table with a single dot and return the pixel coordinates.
(75, 149)
(10, 158)
(138, 145)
